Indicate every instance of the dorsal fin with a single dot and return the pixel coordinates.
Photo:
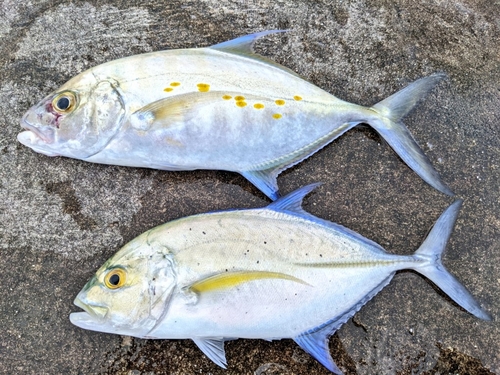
(244, 44)
(292, 202)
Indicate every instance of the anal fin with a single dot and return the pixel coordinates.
(315, 340)
(265, 181)
(265, 175)
(213, 348)
(316, 344)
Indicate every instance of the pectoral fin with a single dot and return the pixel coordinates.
(163, 110)
(229, 280)
(213, 348)
(171, 110)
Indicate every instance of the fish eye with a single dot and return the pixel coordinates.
(64, 102)
(115, 278)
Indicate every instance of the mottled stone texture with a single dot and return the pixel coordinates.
(60, 219)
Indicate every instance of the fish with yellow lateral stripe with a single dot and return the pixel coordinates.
(268, 273)
(222, 107)
(233, 279)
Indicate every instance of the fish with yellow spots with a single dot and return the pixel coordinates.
(222, 107)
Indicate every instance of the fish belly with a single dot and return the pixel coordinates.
(220, 111)
(270, 309)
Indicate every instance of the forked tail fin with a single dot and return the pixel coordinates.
(392, 129)
(430, 251)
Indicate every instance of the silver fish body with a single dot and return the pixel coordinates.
(270, 273)
(221, 107)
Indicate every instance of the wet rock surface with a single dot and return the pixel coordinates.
(60, 219)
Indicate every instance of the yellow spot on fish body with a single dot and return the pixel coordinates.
(233, 279)
(168, 89)
(203, 87)
(258, 105)
(280, 102)
(226, 97)
(277, 116)
(297, 98)
(240, 101)
(175, 84)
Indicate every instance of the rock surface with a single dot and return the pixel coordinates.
(60, 219)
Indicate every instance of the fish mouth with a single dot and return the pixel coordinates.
(91, 318)
(83, 320)
(35, 131)
(97, 311)
(33, 138)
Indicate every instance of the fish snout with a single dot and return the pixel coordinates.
(42, 125)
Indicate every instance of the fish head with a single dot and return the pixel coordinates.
(129, 294)
(78, 120)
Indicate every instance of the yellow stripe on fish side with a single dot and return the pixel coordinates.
(233, 279)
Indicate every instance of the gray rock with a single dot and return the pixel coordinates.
(60, 219)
